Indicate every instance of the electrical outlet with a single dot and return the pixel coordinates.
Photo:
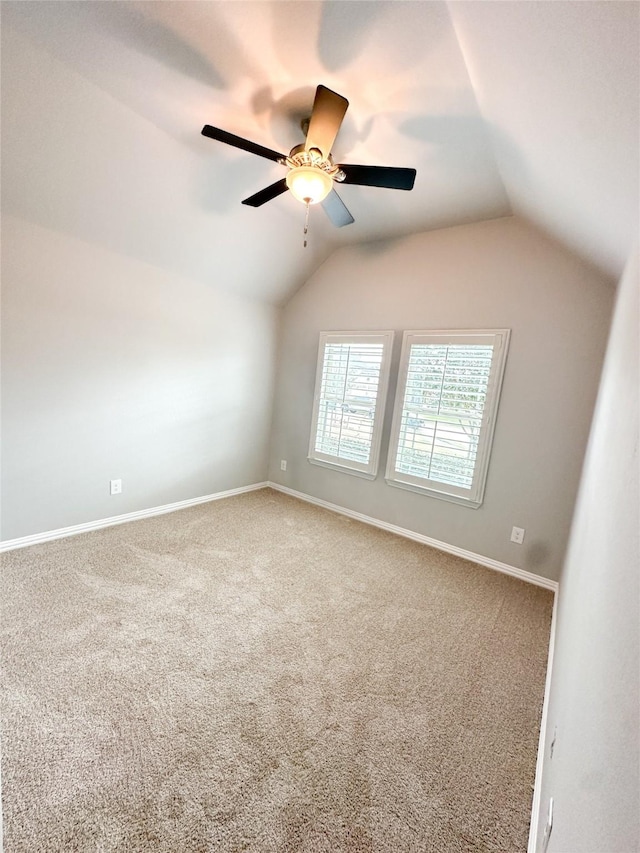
(548, 827)
(517, 535)
(115, 487)
(283, 464)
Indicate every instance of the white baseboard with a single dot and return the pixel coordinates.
(489, 562)
(38, 538)
(60, 533)
(537, 789)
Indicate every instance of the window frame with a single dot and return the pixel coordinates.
(474, 496)
(370, 470)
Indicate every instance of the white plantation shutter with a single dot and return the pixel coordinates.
(446, 389)
(350, 393)
(447, 396)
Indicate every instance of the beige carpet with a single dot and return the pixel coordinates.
(257, 674)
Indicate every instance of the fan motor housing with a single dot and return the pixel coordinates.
(300, 156)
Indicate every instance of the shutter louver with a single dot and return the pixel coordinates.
(351, 381)
(444, 401)
(348, 393)
(448, 391)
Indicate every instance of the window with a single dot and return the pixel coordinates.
(348, 408)
(448, 389)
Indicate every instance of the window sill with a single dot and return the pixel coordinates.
(343, 469)
(434, 493)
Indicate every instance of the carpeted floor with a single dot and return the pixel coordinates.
(257, 674)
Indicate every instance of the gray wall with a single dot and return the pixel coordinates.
(498, 274)
(112, 368)
(595, 692)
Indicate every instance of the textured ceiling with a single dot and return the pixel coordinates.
(522, 106)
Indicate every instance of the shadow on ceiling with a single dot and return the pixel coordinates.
(79, 28)
(344, 30)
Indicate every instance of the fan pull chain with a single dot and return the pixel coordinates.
(306, 223)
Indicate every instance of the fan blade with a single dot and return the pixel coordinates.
(336, 210)
(266, 194)
(326, 117)
(379, 176)
(239, 142)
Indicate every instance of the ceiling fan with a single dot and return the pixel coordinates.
(312, 171)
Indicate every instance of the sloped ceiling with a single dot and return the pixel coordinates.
(557, 85)
(522, 106)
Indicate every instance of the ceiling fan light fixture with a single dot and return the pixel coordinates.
(309, 184)
(312, 170)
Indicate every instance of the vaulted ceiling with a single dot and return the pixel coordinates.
(525, 107)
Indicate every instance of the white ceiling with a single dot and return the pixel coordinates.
(501, 107)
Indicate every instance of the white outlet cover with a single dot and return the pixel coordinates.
(517, 535)
(115, 487)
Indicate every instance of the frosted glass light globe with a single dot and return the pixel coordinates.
(309, 184)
